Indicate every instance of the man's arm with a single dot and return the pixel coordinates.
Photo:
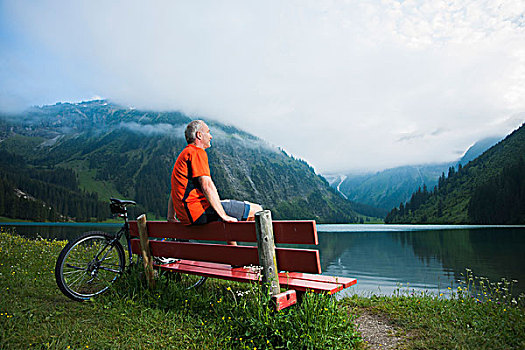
(171, 213)
(211, 194)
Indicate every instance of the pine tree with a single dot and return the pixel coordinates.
(439, 213)
(441, 180)
(451, 172)
(2, 197)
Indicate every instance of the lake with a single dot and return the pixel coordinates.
(424, 257)
(386, 257)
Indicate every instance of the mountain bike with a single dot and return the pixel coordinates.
(89, 264)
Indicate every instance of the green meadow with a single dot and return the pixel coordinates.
(224, 315)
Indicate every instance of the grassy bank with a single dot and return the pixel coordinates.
(223, 315)
(461, 322)
(6, 219)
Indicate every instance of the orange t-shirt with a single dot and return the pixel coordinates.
(188, 199)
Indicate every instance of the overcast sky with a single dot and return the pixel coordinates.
(346, 85)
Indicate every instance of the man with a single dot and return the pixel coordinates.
(194, 198)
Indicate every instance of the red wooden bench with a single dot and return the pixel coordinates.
(302, 266)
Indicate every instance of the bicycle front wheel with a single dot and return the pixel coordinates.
(88, 265)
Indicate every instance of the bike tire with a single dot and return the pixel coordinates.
(88, 265)
(197, 284)
(200, 281)
(190, 281)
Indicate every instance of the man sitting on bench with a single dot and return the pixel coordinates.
(194, 198)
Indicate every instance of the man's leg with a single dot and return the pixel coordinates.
(254, 208)
(243, 211)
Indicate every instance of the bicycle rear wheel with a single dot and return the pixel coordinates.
(191, 283)
(88, 265)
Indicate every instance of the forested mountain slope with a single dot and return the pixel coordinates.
(103, 150)
(488, 190)
(387, 188)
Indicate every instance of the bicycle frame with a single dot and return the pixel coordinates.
(124, 230)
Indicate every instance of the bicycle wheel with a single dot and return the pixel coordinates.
(88, 265)
(200, 281)
(191, 282)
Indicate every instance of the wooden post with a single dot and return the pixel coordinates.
(266, 250)
(146, 253)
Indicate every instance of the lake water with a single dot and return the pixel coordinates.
(424, 257)
(386, 257)
(58, 230)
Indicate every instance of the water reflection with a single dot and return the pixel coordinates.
(431, 260)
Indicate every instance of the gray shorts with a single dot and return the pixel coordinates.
(233, 208)
(236, 209)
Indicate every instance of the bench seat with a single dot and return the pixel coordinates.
(293, 280)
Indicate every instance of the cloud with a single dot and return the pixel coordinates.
(221, 137)
(177, 131)
(415, 135)
(344, 84)
(154, 129)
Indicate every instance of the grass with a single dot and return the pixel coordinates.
(227, 315)
(241, 316)
(6, 219)
(86, 179)
(479, 314)
(222, 315)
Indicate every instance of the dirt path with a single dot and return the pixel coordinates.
(378, 332)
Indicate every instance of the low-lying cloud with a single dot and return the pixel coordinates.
(154, 129)
(177, 131)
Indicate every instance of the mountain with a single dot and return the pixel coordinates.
(477, 149)
(388, 188)
(488, 190)
(69, 158)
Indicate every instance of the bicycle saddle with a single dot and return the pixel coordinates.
(122, 201)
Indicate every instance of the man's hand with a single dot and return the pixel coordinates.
(171, 212)
(229, 219)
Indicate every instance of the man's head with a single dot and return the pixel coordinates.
(198, 133)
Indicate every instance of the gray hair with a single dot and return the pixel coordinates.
(191, 130)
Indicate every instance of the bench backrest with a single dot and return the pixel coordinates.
(285, 232)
